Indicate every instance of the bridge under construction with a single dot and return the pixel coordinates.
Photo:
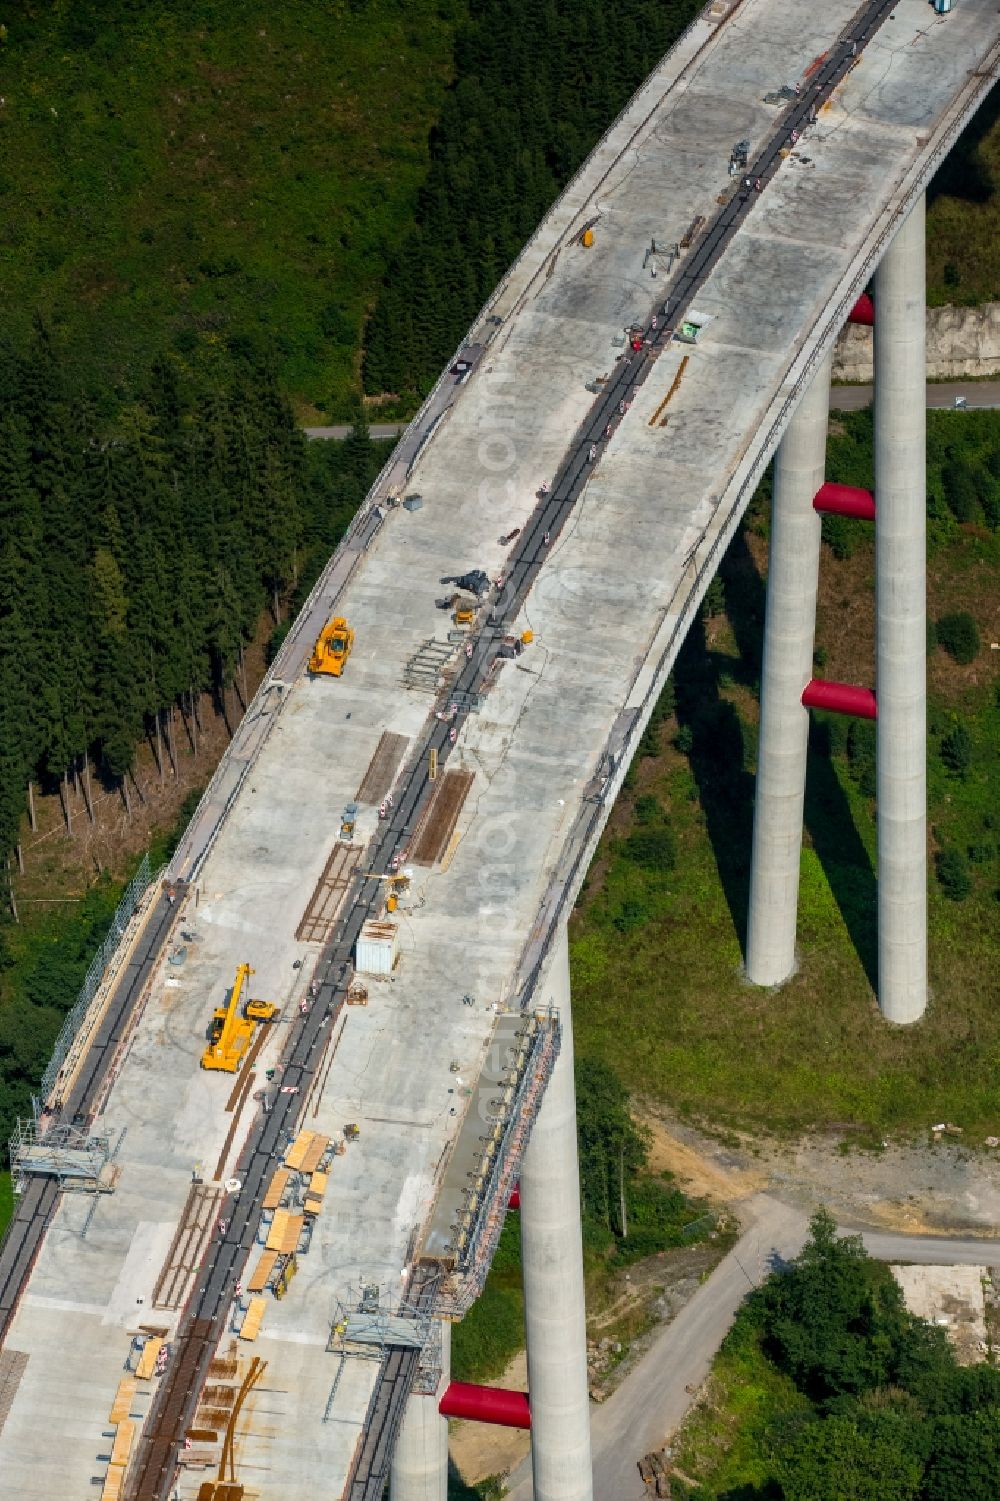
(225, 1284)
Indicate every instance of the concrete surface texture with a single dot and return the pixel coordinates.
(420, 1458)
(608, 612)
(552, 1268)
(952, 1297)
(960, 341)
(901, 623)
(789, 634)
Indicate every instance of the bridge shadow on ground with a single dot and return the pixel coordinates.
(965, 173)
(721, 747)
(459, 1490)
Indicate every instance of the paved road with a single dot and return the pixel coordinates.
(654, 1398)
(344, 430)
(976, 393)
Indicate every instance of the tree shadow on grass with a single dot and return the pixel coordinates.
(718, 757)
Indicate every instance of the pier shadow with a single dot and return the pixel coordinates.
(720, 755)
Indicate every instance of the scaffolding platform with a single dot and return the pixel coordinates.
(471, 1204)
(76, 1158)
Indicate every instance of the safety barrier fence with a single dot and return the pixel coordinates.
(101, 961)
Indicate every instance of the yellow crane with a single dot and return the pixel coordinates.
(333, 647)
(231, 1032)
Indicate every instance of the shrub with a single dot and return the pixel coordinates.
(989, 495)
(647, 809)
(956, 750)
(842, 536)
(715, 599)
(953, 873)
(959, 635)
(684, 739)
(861, 754)
(961, 491)
(652, 848)
(276, 640)
(633, 913)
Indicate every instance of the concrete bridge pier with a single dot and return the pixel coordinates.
(792, 581)
(420, 1458)
(552, 1258)
(901, 621)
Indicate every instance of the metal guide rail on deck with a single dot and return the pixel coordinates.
(204, 1320)
(36, 1205)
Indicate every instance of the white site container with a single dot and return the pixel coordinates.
(377, 949)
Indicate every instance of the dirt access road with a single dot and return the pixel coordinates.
(934, 1203)
(654, 1398)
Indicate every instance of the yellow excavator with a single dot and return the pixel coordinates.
(231, 1032)
(333, 647)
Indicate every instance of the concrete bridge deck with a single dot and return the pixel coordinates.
(608, 608)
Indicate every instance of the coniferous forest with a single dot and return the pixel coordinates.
(537, 84)
(142, 540)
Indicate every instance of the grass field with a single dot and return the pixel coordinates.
(724, 1440)
(183, 175)
(963, 222)
(6, 1201)
(657, 954)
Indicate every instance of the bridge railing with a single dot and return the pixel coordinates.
(102, 961)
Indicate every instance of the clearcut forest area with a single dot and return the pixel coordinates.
(220, 220)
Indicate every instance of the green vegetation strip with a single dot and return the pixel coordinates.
(6, 1201)
(828, 1388)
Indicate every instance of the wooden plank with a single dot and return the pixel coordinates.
(297, 1151)
(250, 1328)
(313, 1155)
(112, 1488)
(262, 1272)
(275, 1189)
(147, 1361)
(293, 1233)
(276, 1234)
(318, 1185)
(286, 1228)
(123, 1400)
(382, 768)
(123, 1444)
